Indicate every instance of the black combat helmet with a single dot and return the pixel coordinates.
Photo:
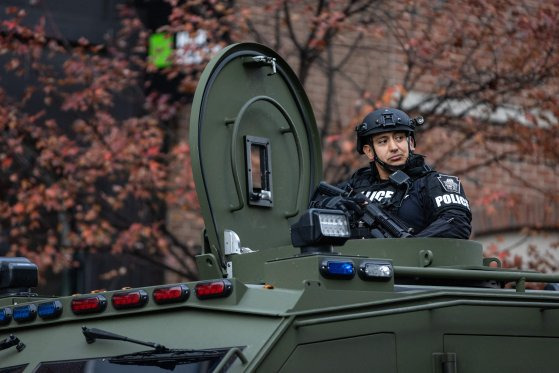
(385, 120)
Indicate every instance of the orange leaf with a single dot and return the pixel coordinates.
(18, 208)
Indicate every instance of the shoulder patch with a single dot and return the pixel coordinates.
(450, 183)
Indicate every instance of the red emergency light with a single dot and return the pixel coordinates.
(213, 289)
(171, 294)
(129, 299)
(91, 304)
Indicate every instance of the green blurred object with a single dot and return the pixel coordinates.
(160, 49)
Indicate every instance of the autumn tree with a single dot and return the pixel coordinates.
(78, 172)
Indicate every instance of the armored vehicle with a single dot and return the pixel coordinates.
(262, 304)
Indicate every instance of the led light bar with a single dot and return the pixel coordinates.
(91, 304)
(337, 269)
(333, 225)
(213, 289)
(5, 315)
(50, 310)
(25, 313)
(129, 299)
(171, 294)
(320, 227)
(376, 270)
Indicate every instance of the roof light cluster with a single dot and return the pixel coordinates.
(126, 299)
(369, 270)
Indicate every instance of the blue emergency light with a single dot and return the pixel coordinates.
(338, 269)
(49, 310)
(5, 315)
(25, 313)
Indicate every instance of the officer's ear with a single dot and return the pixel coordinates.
(411, 141)
(369, 152)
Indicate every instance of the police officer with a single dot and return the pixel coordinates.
(430, 203)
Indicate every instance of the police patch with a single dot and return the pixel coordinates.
(449, 183)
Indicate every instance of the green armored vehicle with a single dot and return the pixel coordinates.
(328, 304)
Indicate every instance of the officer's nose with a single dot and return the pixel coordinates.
(392, 145)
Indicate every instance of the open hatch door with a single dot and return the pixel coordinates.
(255, 149)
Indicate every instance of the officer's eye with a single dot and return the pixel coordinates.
(381, 141)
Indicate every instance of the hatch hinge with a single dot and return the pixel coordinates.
(261, 61)
(444, 362)
(232, 246)
(232, 243)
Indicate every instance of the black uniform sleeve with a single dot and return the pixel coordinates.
(450, 210)
(449, 224)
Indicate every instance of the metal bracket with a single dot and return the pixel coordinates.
(521, 285)
(487, 262)
(425, 258)
(229, 269)
(12, 340)
(444, 362)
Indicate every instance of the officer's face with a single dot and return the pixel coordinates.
(390, 147)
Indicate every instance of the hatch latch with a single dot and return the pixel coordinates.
(262, 61)
(232, 246)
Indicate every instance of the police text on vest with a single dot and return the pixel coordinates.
(451, 199)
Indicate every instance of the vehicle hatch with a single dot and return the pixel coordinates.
(255, 148)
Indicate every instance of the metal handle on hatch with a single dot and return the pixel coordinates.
(234, 167)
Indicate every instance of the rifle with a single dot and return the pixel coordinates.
(379, 222)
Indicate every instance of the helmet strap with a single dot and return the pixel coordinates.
(390, 169)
